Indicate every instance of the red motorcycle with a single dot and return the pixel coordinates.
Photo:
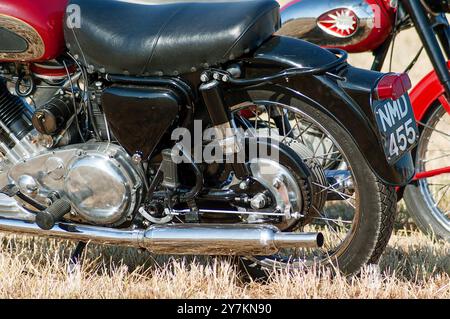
(372, 25)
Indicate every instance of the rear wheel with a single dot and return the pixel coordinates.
(428, 199)
(358, 212)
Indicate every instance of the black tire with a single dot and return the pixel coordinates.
(377, 202)
(420, 212)
(417, 200)
(388, 214)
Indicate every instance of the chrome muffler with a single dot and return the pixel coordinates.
(179, 239)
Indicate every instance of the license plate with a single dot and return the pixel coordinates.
(397, 126)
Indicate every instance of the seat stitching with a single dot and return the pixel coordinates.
(163, 27)
(246, 30)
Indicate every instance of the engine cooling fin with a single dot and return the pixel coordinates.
(14, 115)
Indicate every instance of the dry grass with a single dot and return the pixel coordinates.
(413, 267)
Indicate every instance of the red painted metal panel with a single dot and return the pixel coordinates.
(425, 93)
(385, 17)
(45, 16)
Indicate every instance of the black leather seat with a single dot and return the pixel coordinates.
(151, 37)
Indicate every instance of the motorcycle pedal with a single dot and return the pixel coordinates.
(47, 219)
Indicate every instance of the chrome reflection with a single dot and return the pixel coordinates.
(300, 20)
(179, 239)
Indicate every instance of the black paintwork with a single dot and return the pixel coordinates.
(213, 98)
(140, 116)
(11, 42)
(438, 5)
(179, 85)
(158, 38)
(348, 102)
(442, 29)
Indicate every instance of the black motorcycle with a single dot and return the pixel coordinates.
(179, 128)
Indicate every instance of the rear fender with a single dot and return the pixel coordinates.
(426, 93)
(347, 102)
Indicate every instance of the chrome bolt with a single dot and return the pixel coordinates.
(259, 201)
(277, 181)
(297, 215)
(393, 3)
(204, 77)
(243, 185)
(112, 154)
(136, 158)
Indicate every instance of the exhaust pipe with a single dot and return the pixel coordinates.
(181, 239)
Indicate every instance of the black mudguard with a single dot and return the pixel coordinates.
(349, 102)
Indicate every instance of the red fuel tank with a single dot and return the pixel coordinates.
(352, 25)
(31, 30)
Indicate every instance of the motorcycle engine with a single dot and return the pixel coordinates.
(99, 179)
(41, 153)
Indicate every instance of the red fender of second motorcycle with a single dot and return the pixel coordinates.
(426, 92)
(423, 96)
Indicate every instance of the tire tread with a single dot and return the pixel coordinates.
(388, 212)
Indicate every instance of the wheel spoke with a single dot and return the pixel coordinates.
(318, 145)
(290, 131)
(304, 131)
(435, 158)
(325, 156)
(331, 188)
(435, 130)
(336, 221)
(326, 220)
(442, 196)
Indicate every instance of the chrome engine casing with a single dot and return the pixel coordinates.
(99, 179)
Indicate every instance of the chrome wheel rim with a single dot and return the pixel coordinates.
(433, 152)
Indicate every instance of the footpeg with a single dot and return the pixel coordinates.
(46, 219)
(170, 170)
